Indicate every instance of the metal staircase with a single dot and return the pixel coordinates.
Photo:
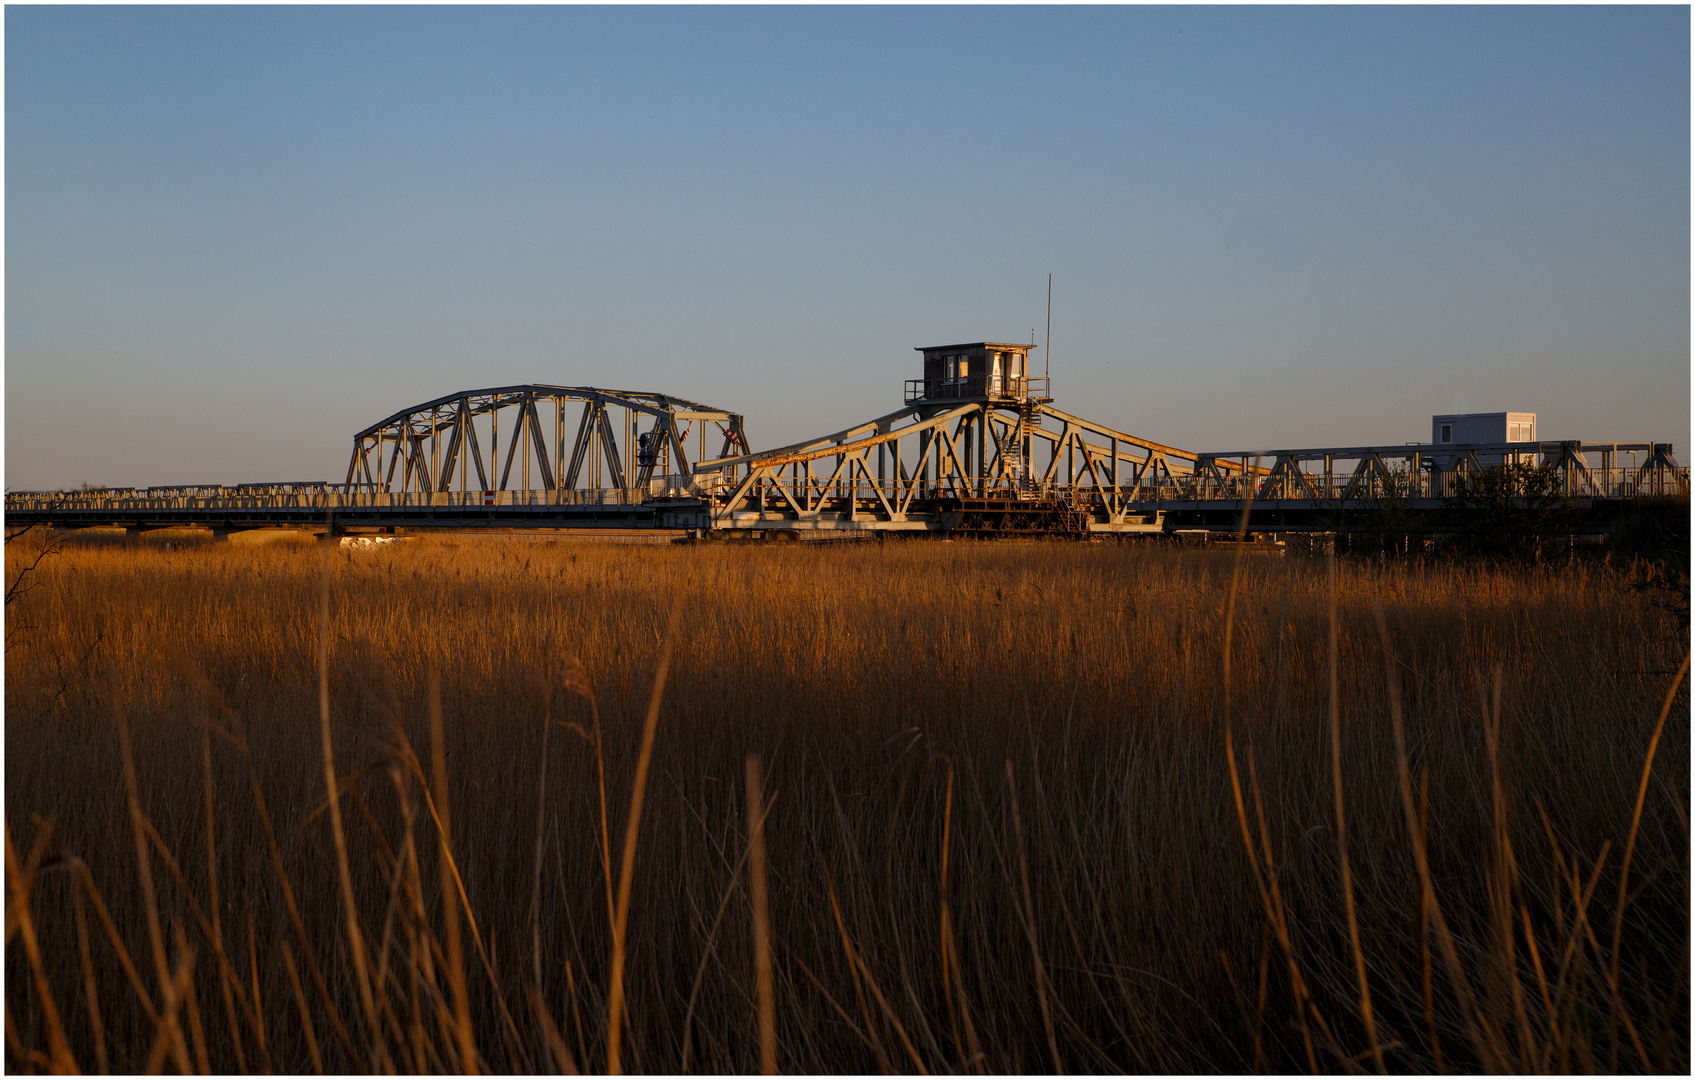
(1012, 450)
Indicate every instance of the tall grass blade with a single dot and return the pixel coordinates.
(305, 1013)
(465, 1042)
(632, 830)
(761, 920)
(1636, 818)
(167, 1042)
(350, 910)
(191, 1005)
(541, 828)
(90, 985)
(1487, 1051)
(226, 972)
(170, 1036)
(18, 912)
(1342, 832)
(1028, 916)
(550, 1031)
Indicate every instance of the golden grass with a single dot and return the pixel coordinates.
(1011, 818)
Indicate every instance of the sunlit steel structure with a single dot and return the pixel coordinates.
(977, 449)
(436, 446)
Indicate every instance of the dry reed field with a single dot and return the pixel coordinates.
(904, 807)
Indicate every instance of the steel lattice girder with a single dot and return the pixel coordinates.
(1379, 468)
(966, 462)
(970, 449)
(422, 448)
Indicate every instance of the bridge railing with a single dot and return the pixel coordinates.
(783, 492)
(1193, 487)
(1593, 483)
(326, 496)
(1019, 387)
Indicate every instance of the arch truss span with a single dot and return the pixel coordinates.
(536, 437)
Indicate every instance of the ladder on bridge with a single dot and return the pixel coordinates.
(1012, 450)
(1075, 514)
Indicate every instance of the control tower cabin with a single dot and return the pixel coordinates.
(981, 370)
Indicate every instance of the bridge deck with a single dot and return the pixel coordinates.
(806, 504)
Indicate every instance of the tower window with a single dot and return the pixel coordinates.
(1447, 433)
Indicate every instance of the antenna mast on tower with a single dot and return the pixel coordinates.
(1047, 350)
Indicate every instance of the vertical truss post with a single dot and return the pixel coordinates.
(558, 448)
(982, 430)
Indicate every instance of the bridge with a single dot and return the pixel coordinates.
(977, 449)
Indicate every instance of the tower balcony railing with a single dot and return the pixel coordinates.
(1004, 387)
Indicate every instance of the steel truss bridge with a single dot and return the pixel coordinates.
(1008, 463)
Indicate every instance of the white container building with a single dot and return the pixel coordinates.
(1493, 427)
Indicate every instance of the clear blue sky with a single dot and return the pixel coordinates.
(234, 236)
